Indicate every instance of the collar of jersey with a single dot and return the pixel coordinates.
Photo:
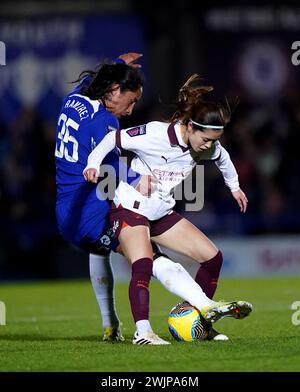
(174, 136)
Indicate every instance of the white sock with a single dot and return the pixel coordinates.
(178, 281)
(143, 326)
(103, 284)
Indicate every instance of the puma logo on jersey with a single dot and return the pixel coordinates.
(166, 159)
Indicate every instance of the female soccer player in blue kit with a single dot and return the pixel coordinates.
(88, 113)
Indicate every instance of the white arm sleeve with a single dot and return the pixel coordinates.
(107, 144)
(228, 170)
(134, 139)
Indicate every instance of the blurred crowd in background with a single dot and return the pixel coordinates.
(263, 137)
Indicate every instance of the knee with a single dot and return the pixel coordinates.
(163, 264)
(218, 257)
(217, 260)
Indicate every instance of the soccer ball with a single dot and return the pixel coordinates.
(186, 323)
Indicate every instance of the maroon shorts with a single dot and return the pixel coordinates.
(121, 217)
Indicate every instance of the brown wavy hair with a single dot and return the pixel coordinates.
(191, 105)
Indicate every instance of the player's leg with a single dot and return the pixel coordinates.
(175, 278)
(99, 243)
(132, 231)
(187, 239)
(136, 247)
(102, 280)
(178, 281)
(85, 227)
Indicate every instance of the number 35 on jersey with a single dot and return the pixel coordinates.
(68, 147)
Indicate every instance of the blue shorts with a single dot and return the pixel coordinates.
(83, 220)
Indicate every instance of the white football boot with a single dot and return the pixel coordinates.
(148, 338)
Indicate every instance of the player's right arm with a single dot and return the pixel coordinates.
(92, 170)
(146, 184)
(131, 139)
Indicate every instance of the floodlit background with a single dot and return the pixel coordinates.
(244, 49)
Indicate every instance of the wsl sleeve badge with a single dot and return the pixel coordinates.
(137, 131)
(186, 323)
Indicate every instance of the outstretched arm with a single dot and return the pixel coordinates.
(230, 176)
(130, 58)
(146, 183)
(92, 170)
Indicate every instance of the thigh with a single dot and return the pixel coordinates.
(187, 239)
(133, 233)
(163, 224)
(121, 218)
(135, 243)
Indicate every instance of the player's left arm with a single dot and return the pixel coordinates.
(230, 176)
(130, 58)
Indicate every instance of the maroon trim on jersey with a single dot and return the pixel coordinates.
(118, 138)
(173, 137)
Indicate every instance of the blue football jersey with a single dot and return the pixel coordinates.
(82, 124)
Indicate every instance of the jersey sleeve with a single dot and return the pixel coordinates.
(102, 131)
(227, 169)
(132, 139)
(106, 149)
(96, 157)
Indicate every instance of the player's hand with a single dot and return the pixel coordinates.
(91, 175)
(241, 199)
(147, 185)
(130, 58)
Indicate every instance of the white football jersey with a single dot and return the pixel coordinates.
(160, 152)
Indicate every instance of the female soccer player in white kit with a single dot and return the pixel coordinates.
(169, 151)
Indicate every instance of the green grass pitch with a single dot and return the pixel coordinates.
(55, 326)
